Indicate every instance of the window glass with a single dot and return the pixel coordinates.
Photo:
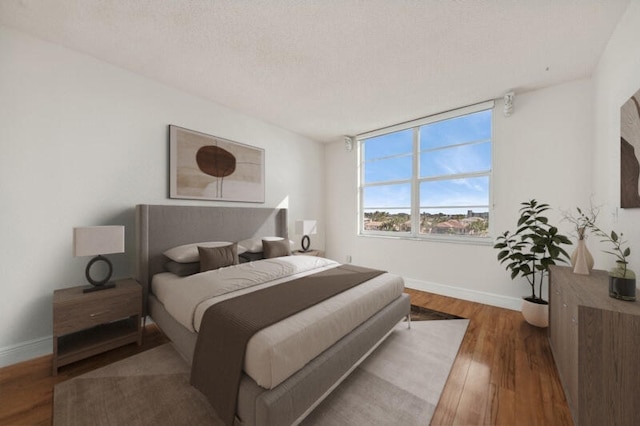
(387, 220)
(459, 159)
(389, 145)
(455, 192)
(466, 128)
(473, 223)
(389, 169)
(378, 196)
(448, 193)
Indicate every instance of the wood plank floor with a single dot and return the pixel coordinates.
(504, 373)
(26, 389)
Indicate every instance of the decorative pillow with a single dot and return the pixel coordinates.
(218, 257)
(250, 257)
(182, 269)
(188, 253)
(276, 248)
(254, 245)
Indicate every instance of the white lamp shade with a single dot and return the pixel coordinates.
(95, 240)
(306, 227)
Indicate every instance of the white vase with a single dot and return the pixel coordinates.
(536, 314)
(581, 259)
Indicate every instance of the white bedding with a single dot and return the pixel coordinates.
(278, 351)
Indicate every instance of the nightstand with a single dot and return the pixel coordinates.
(86, 324)
(310, 252)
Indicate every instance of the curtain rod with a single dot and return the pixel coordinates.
(479, 106)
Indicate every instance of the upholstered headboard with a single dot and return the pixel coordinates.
(159, 228)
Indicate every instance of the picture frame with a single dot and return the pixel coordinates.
(630, 152)
(206, 167)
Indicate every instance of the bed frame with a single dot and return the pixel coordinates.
(159, 228)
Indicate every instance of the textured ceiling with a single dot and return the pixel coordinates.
(334, 67)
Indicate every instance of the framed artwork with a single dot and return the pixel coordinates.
(205, 167)
(630, 152)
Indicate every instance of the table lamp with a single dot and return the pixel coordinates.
(306, 227)
(98, 241)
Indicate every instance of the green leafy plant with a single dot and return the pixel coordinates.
(532, 248)
(621, 253)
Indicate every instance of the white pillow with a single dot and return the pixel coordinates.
(254, 245)
(188, 253)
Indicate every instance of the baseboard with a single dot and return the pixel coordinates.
(25, 351)
(31, 349)
(507, 302)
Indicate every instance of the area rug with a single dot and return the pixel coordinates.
(418, 313)
(400, 383)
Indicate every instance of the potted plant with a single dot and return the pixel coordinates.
(528, 252)
(622, 280)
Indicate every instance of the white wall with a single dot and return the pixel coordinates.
(561, 146)
(542, 151)
(616, 78)
(83, 142)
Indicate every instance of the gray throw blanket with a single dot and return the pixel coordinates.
(227, 327)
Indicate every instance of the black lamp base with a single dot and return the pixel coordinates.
(306, 241)
(99, 287)
(97, 284)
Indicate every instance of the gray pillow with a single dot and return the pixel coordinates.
(182, 269)
(276, 248)
(188, 253)
(250, 257)
(218, 257)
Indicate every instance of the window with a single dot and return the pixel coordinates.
(429, 178)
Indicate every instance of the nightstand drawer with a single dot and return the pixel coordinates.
(78, 316)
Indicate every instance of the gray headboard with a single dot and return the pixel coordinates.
(159, 228)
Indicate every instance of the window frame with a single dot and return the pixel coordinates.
(415, 180)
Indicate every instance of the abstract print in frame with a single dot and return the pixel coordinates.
(630, 152)
(205, 167)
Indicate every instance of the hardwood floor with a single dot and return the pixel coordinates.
(26, 389)
(504, 373)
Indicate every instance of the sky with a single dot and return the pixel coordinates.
(447, 148)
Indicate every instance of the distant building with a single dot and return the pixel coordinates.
(484, 215)
(451, 226)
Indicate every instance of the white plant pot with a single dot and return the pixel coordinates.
(535, 313)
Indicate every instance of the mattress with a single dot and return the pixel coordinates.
(278, 351)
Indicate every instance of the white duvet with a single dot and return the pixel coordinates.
(278, 351)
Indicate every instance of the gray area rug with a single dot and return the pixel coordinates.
(418, 313)
(400, 383)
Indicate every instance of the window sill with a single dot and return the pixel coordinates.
(482, 241)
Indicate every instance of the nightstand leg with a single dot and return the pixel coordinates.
(54, 360)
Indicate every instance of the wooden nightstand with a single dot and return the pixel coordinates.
(310, 252)
(86, 324)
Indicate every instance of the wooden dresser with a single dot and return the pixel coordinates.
(595, 341)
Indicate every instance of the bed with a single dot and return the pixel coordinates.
(284, 397)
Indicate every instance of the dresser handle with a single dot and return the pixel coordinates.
(564, 305)
(98, 313)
